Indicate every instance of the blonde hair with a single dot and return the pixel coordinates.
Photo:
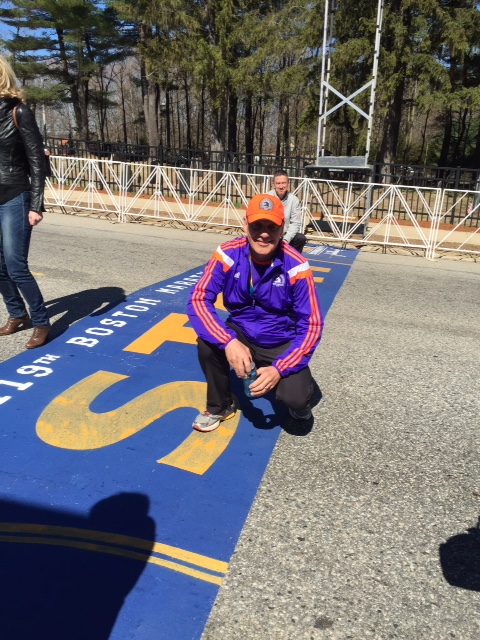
(8, 82)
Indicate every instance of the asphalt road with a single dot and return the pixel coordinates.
(359, 529)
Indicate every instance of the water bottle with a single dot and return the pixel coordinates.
(247, 381)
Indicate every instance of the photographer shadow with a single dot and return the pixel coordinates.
(79, 305)
(66, 576)
(460, 559)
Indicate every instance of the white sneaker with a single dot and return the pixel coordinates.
(207, 421)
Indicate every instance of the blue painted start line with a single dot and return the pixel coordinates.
(117, 519)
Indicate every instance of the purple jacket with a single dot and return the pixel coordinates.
(283, 308)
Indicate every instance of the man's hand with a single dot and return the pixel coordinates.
(34, 218)
(268, 378)
(239, 357)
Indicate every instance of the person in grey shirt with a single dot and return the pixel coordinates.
(293, 210)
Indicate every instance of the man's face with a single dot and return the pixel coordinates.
(263, 237)
(280, 184)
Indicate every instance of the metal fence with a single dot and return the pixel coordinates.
(178, 157)
(431, 219)
(413, 175)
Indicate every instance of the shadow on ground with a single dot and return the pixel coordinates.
(60, 578)
(460, 559)
(279, 416)
(80, 305)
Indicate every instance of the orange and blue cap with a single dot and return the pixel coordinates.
(265, 207)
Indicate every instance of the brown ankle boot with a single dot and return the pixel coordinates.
(39, 337)
(15, 324)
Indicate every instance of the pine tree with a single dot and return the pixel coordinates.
(70, 40)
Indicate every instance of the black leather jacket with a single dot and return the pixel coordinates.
(22, 154)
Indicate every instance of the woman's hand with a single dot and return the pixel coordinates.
(34, 218)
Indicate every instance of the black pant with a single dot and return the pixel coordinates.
(294, 390)
(298, 241)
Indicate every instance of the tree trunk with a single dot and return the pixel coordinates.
(172, 119)
(447, 139)
(167, 117)
(350, 133)
(397, 45)
(249, 131)
(149, 109)
(391, 127)
(461, 135)
(149, 91)
(286, 129)
(278, 142)
(199, 126)
(261, 132)
(102, 107)
(201, 132)
(82, 109)
(219, 128)
(424, 137)
(232, 122)
(179, 123)
(475, 159)
(72, 83)
(124, 114)
(187, 113)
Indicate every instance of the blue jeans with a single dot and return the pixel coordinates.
(15, 276)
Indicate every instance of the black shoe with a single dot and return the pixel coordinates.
(303, 414)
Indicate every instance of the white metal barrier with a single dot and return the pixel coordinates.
(368, 213)
(427, 219)
(453, 234)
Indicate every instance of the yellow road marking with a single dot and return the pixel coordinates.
(125, 553)
(68, 423)
(172, 328)
(200, 450)
(119, 539)
(37, 274)
(322, 270)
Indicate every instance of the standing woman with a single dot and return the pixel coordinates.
(22, 182)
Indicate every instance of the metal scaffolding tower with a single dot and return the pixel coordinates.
(326, 88)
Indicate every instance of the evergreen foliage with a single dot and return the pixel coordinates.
(240, 75)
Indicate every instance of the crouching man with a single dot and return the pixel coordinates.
(275, 320)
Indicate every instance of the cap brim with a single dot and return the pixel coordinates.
(254, 217)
